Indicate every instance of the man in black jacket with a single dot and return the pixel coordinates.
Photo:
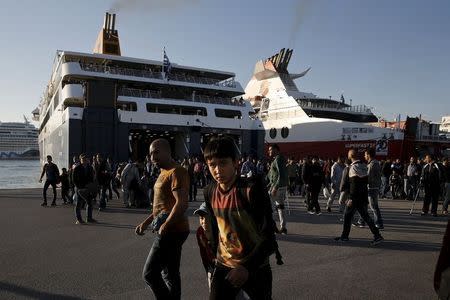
(85, 189)
(356, 182)
(102, 177)
(431, 182)
(315, 184)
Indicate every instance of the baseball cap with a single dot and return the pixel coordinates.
(202, 210)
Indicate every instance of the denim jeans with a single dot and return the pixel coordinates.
(258, 285)
(278, 200)
(348, 217)
(446, 196)
(80, 202)
(384, 186)
(162, 268)
(373, 203)
(103, 189)
(46, 185)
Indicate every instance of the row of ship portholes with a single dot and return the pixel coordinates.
(284, 132)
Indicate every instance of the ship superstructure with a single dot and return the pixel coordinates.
(18, 140)
(115, 105)
(304, 124)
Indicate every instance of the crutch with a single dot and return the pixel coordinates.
(415, 199)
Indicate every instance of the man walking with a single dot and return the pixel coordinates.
(336, 176)
(315, 185)
(412, 179)
(278, 181)
(102, 178)
(357, 184)
(51, 172)
(85, 189)
(162, 268)
(374, 179)
(431, 181)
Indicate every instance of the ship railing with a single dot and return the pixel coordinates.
(338, 107)
(434, 138)
(156, 75)
(130, 92)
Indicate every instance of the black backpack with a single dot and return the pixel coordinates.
(260, 210)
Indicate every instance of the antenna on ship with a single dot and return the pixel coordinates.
(26, 120)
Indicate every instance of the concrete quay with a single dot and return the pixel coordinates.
(44, 255)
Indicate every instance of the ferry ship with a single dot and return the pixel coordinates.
(18, 140)
(115, 105)
(304, 124)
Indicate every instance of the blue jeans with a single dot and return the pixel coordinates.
(162, 267)
(373, 203)
(384, 186)
(81, 201)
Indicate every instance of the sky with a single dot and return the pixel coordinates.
(393, 56)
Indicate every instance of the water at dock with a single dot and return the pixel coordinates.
(20, 174)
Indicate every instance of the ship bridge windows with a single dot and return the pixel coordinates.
(176, 109)
(126, 105)
(228, 113)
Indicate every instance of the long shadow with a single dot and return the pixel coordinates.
(361, 243)
(115, 210)
(31, 293)
(125, 226)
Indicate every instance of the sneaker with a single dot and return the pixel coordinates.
(328, 209)
(283, 231)
(423, 213)
(318, 213)
(92, 221)
(79, 222)
(341, 239)
(101, 209)
(311, 212)
(445, 212)
(376, 241)
(361, 225)
(355, 224)
(381, 227)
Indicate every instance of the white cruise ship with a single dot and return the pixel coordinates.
(18, 140)
(114, 105)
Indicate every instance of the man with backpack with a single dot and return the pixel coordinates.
(431, 181)
(242, 226)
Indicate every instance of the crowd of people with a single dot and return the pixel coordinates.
(237, 230)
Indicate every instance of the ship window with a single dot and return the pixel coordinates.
(228, 113)
(355, 130)
(346, 130)
(363, 130)
(273, 133)
(176, 109)
(126, 106)
(284, 132)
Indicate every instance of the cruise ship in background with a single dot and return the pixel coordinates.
(18, 140)
(303, 124)
(115, 105)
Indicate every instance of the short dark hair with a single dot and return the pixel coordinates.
(371, 151)
(49, 156)
(275, 146)
(221, 147)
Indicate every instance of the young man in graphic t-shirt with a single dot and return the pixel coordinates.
(242, 262)
(162, 268)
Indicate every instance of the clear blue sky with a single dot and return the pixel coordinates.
(391, 55)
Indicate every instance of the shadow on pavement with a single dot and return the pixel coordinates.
(363, 243)
(28, 292)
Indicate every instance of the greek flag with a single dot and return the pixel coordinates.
(166, 63)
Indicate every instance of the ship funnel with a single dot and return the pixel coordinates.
(108, 37)
(280, 61)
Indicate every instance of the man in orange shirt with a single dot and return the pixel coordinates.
(162, 268)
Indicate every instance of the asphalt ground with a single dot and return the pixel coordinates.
(44, 255)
